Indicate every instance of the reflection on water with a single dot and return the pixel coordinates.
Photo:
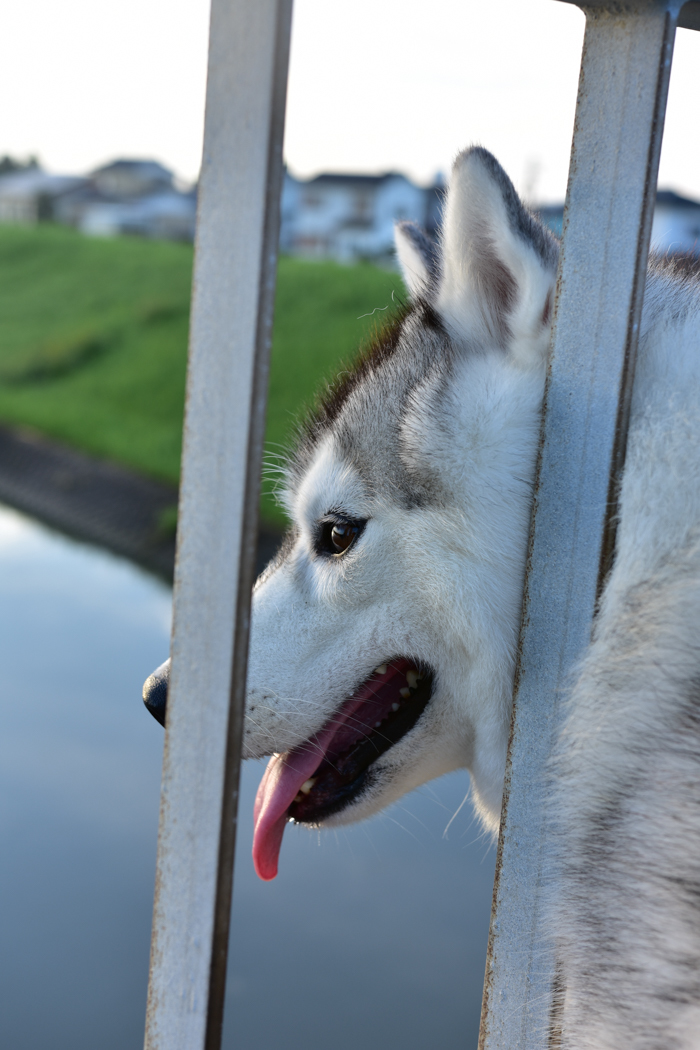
(79, 775)
(375, 936)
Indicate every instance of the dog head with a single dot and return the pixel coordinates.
(383, 635)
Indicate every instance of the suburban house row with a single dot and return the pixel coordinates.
(346, 217)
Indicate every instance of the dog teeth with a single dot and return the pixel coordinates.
(405, 693)
(307, 785)
(412, 679)
(395, 707)
(381, 669)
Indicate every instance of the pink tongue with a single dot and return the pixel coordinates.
(286, 773)
(279, 787)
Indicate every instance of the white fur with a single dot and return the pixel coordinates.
(416, 273)
(475, 215)
(439, 577)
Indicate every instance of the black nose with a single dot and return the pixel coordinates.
(155, 692)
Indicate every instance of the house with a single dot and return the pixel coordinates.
(31, 195)
(349, 217)
(136, 197)
(675, 227)
(163, 216)
(130, 179)
(127, 196)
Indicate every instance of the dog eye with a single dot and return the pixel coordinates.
(342, 536)
(338, 536)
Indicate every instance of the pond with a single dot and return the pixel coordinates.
(374, 936)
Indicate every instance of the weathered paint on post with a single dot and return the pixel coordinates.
(623, 87)
(234, 279)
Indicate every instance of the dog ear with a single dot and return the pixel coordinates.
(498, 262)
(417, 256)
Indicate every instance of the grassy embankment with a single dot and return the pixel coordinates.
(93, 341)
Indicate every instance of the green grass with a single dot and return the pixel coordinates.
(93, 341)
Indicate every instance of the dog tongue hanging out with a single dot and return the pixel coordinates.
(318, 778)
(383, 635)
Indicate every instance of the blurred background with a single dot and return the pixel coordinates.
(376, 936)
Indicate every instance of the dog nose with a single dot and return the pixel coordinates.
(155, 692)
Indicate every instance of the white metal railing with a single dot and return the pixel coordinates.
(619, 120)
(234, 278)
(623, 87)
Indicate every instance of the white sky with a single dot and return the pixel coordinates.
(374, 84)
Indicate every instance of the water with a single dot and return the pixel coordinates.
(375, 936)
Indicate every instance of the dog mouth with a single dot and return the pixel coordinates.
(326, 773)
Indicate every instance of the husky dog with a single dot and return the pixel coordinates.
(384, 634)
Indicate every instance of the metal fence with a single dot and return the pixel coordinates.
(623, 87)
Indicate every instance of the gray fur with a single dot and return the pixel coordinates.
(424, 246)
(364, 413)
(626, 906)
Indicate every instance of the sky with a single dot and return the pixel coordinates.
(374, 85)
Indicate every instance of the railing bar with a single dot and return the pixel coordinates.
(249, 527)
(233, 293)
(637, 301)
(619, 121)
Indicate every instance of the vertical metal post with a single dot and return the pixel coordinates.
(623, 87)
(234, 278)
